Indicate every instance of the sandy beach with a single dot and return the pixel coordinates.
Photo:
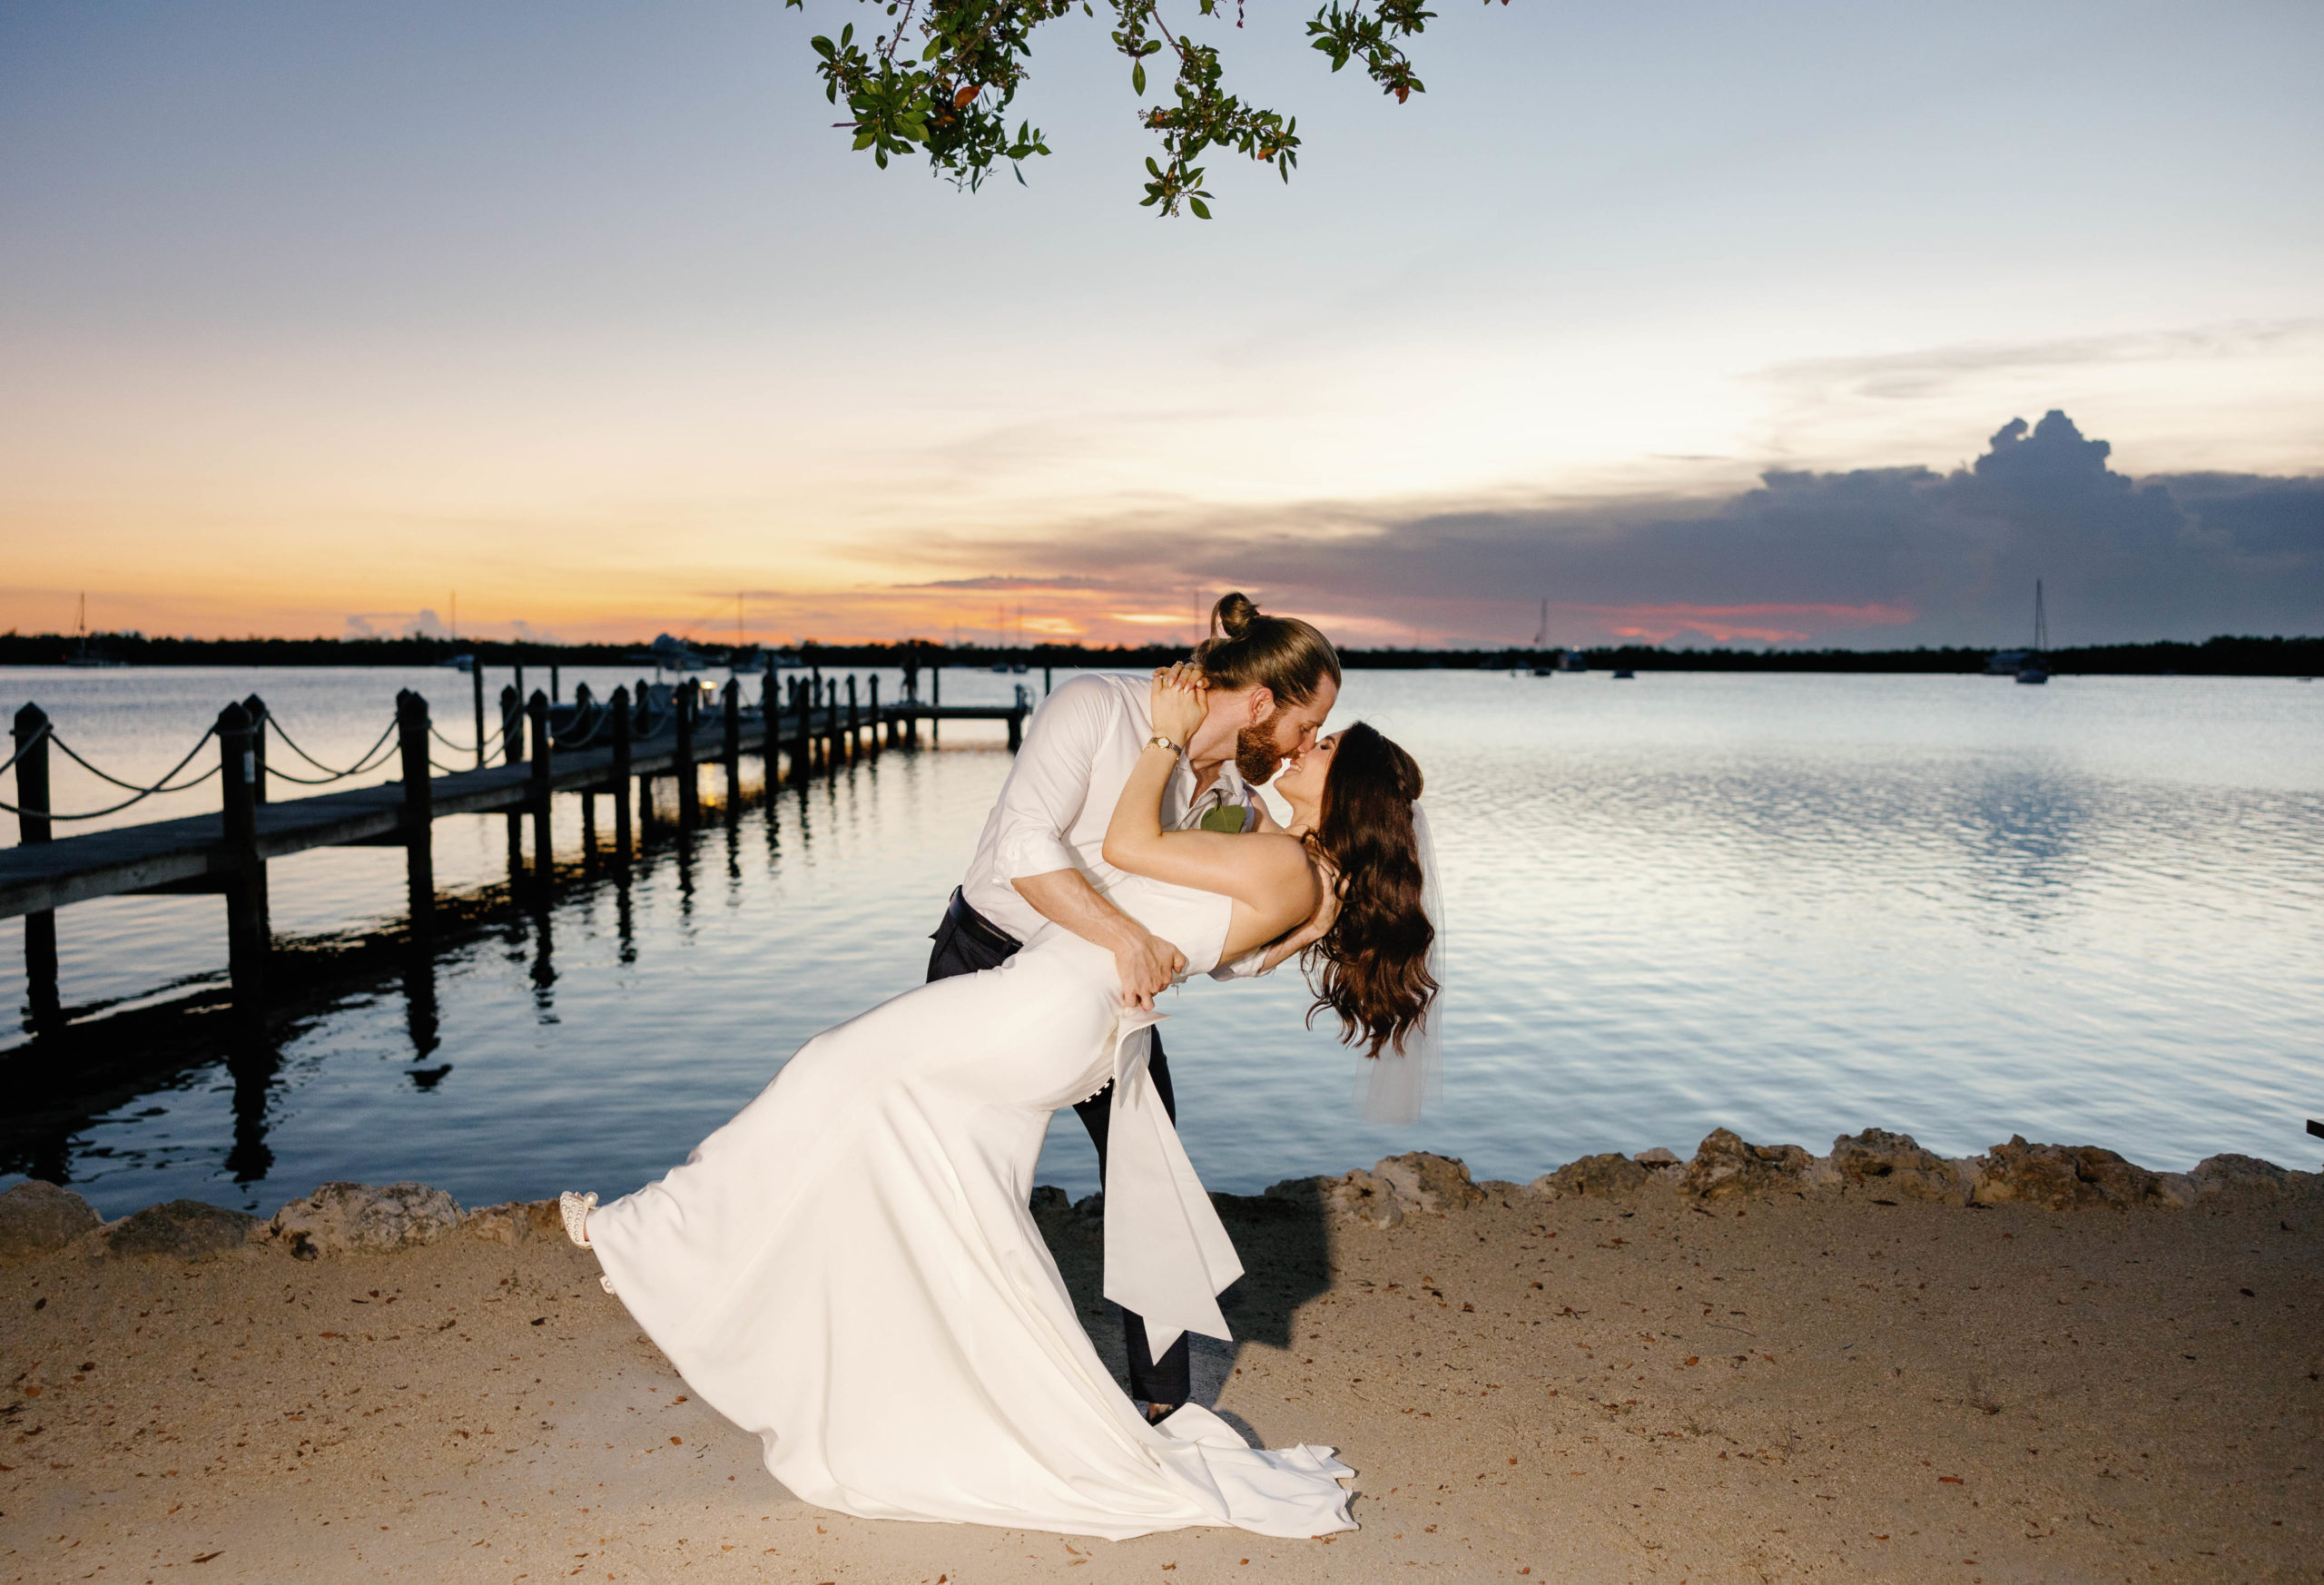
(1620, 1375)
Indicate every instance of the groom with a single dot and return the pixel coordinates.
(1271, 680)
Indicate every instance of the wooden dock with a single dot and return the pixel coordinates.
(588, 748)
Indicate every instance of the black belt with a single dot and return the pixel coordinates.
(977, 928)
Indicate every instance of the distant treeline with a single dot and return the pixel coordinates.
(2222, 656)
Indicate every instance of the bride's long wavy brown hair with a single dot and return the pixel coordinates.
(1371, 968)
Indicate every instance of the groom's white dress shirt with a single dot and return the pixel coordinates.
(1077, 754)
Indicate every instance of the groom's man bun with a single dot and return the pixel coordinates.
(1247, 648)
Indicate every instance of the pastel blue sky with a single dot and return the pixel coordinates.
(585, 311)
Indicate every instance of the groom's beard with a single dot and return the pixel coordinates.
(1255, 756)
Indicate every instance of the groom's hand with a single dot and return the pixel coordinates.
(1147, 964)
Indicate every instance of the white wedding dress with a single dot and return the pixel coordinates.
(850, 1269)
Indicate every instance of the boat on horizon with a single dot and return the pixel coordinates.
(2035, 668)
(85, 654)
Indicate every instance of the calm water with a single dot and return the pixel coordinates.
(1790, 905)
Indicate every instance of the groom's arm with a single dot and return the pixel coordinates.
(1146, 961)
(1046, 791)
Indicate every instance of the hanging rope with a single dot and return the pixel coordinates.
(142, 794)
(25, 747)
(458, 748)
(329, 773)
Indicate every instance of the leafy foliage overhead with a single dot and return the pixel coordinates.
(937, 77)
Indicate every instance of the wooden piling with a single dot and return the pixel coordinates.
(30, 731)
(544, 752)
(683, 700)
(476, 685)
(1045, 682)
(512, 726)
(248, 931)
(855, 728)
(732, 750)
(1016, 731)
(880, 726)
(621, 733)
(799, 753)
(555, 682)
(542, 766)
(419, 811)
(256, 706)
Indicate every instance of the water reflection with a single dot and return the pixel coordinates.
(1773, 904)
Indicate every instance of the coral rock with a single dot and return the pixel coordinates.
(1726, 1167)
(2239, 1175)
(1367, 1198)
(2061, 1177)
(185, 1229)
(346, 1216)
(1433, 1183)
(1594, 1175)
(515, 1222)
(36, 1217)
(1896, 1165)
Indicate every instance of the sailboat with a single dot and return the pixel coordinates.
(1541, 641)
(2035, 667)
(83, 656)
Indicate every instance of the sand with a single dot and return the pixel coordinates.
(1636, 1388)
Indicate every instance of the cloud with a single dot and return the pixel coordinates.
(1885, 556)
(1005, 583)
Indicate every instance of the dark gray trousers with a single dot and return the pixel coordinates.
(967, 943)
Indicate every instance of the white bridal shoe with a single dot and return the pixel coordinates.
(576, 1209)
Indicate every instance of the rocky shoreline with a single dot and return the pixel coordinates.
(2041, 1364)
(336, 1219)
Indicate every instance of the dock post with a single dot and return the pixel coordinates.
(687, 700)
(30, 729)
(801, 755)
(730, 749)
(512, 726)
(544, 752)
(419, 811)
(1045, 682)
(247, 927)
(519, 683)
(854, 726)
(257, 708)
(555, 682)
(1016, 729)
(476, 683)
(621, 773)
(878, 725)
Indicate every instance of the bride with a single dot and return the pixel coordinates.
(850, 1270)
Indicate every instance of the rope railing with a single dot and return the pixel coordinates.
(163, 786)
(364, 761)
(140, 793)
(458, 748)
(599, 718)
(25, 747)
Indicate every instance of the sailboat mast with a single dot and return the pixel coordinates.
(2041, 620)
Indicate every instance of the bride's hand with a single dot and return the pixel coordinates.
(1177, 702)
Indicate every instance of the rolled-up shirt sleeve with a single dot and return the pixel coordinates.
(1050, 780)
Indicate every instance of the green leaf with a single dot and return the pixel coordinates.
(1138, 79)
(1202, 210)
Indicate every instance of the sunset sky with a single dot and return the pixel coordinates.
(312, 315)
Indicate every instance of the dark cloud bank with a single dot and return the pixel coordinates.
(1883, 557)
